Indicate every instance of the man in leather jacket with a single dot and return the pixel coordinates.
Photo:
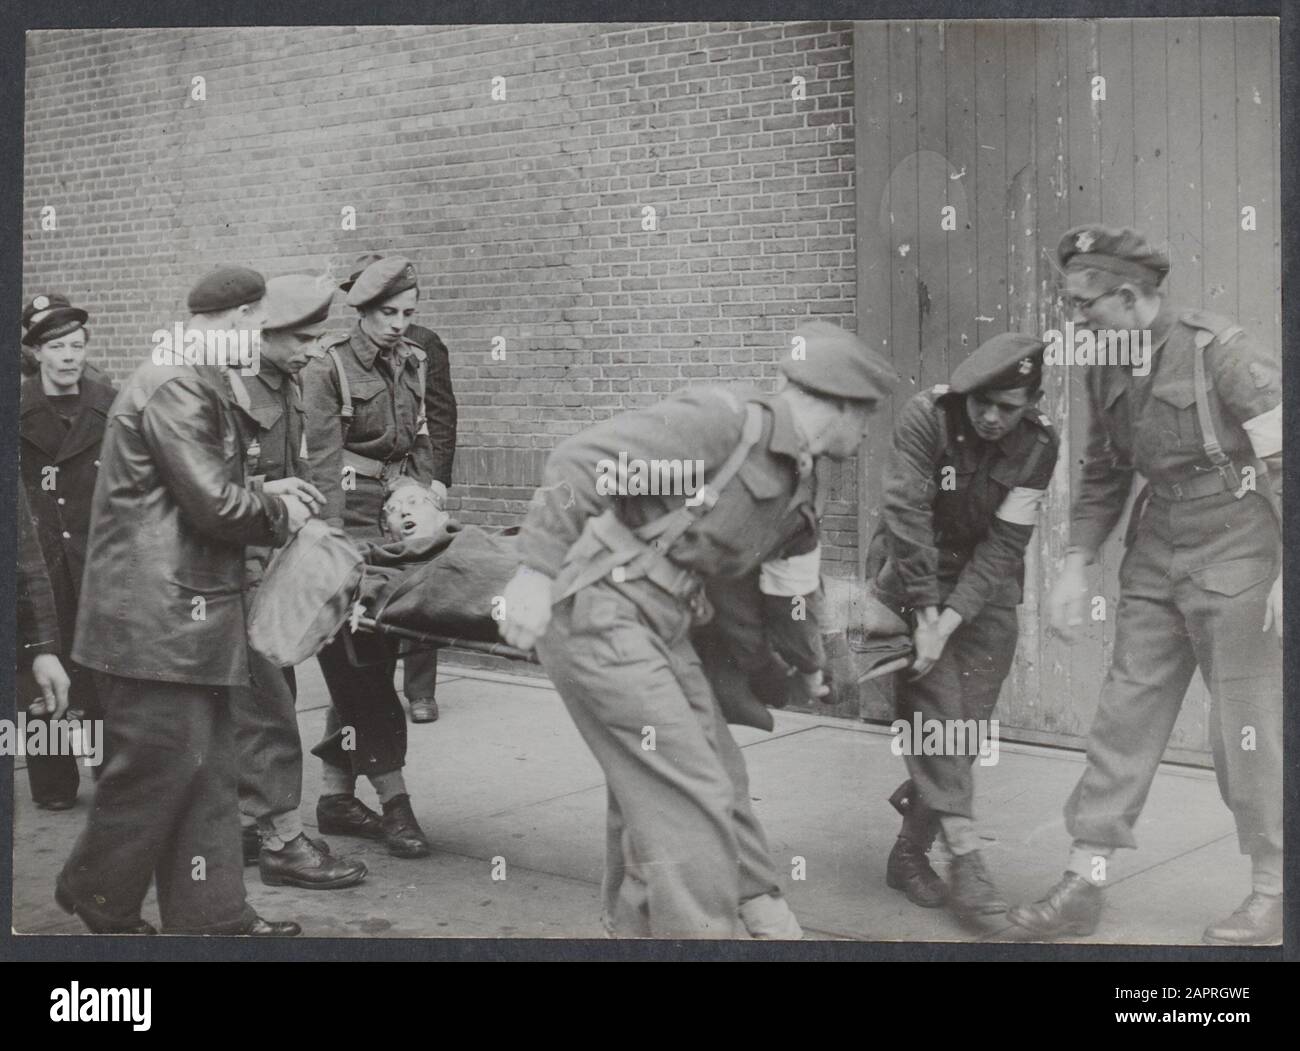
(162, 625)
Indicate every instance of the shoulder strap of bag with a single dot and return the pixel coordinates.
(665, 530)
(1209, 437)
(345, 391)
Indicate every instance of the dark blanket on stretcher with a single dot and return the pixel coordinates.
(441, 585)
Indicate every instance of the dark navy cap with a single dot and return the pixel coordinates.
(49, 316)
(1008, 361)
(226, 288)
(382, 280)
(1118, 251)
(837, 364)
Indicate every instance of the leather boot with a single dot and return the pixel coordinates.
(424, 710)
(64, 899)
(1256, 921)
(344, 815)
(973, 892)
(261, 928)
(908, 868)
(402, 833)
(301, 863)
(1073, 906)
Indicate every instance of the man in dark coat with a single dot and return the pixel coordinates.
(163, 628)
(63, 411)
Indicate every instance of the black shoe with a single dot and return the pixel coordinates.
(1256, 921)
(56, 804)
(424, 710)
(261, 928)
(252, 842)
(402, 833)
(68, 905)
(1073, 906)
(344, 815)
(909, 870)
(973, 892)
(301, 863)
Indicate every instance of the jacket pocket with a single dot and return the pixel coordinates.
(1233, 577)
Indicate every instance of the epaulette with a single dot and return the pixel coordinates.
(1211, 327)
(336, 340)
(414, 348)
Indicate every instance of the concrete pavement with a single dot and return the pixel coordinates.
(502, 783)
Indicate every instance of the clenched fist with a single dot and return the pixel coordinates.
(528, 608)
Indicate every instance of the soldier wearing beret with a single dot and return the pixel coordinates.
(365, 428)
(971, 461)
(162, 625)
(63, 411)
(274, 438)
(611, 582)
(421, 675)
(1200, 585)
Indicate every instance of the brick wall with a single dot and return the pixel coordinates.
(524, 215)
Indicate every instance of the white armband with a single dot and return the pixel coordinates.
(1265, 432)
(787, 577)
(1021, 506)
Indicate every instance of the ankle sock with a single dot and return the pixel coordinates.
(1266, 873)
(337, 781)
(959, 834)
(389, 786)
(1090, 862)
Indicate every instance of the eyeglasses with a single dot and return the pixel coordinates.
(1069, 304)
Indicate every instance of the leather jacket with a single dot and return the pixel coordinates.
(162, 597)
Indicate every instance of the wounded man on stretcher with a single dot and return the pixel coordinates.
(436, 577)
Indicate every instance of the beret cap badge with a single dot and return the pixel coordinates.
(40, 302)
(1084, 241)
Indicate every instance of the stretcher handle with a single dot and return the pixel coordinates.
(494, 649)
(898, 664)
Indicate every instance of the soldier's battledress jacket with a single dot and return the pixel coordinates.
(385, 428)
(1148, 424)
(958, 511)
(273, 431)
(766, 512)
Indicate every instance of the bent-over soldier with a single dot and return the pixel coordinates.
(625, 575)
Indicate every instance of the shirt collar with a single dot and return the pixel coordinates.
(785, 438)
(365, 348)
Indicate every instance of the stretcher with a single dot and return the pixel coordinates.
(443, 600)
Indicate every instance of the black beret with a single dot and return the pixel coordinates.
(362, 262)
(381, 280)
(49, 316)
(1118, 251)
(837, 364)
(1008, 361)
(226, 288)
